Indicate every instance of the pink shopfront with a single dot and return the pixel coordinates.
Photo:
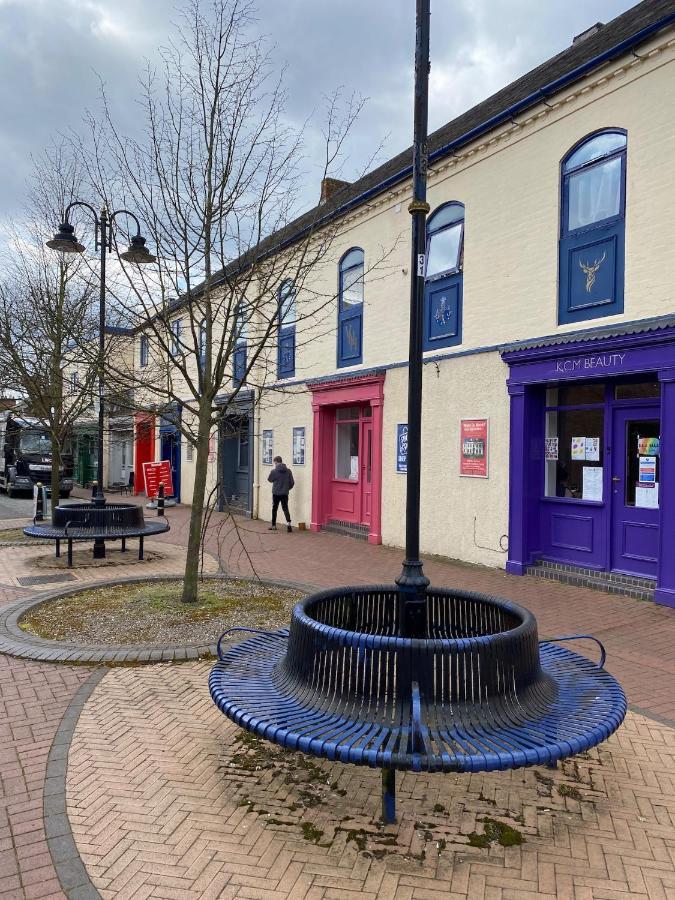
(347, 454)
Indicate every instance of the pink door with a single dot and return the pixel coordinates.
(346, 482)
(366, 471)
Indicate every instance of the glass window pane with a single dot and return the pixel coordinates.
(446, 215)
(352, 287)
(574, 441)
(347, 451)
(287, 313)
(596, 148)
(637, 391)
(643, 458)
(575, 394)
(243, 446)
(347, 412)
(355, 257)
(594, 194)
(444, 250)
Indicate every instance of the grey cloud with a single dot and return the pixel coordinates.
(52, 50)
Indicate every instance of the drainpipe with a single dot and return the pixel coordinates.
(257, 396)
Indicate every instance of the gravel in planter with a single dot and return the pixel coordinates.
(151, 613)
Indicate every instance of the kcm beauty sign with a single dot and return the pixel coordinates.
(579, 365)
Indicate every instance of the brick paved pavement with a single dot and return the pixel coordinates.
(616, 842)
(33, 698)
(639, 635)
(167, 800)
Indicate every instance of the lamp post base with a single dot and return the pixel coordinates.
(99, 548)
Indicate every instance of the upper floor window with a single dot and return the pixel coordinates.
(176, 347)
(287, 321)
(443, 287)
(144, 350)
(239, 354)
(592, 228)
(74, 382)
(350, 308)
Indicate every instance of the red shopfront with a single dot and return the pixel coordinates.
(347, 453)
(144, 427)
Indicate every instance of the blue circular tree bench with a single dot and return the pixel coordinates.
(481, 692)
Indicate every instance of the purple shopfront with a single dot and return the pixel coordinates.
(592, 454)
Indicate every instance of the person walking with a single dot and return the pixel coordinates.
(282, 484)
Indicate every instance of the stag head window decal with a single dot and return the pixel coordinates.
(591, 271)
(592, 232)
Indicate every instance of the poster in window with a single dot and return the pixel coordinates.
(647, 495)
(648, 446)
(402, 448)
(578, 448)
(592, 483)
(298, 446)
(593, 449)
(647, 470)
(473, 450)
(267, 447)
(551, 449)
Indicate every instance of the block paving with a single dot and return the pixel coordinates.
(167, 798)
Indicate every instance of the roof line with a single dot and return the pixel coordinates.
(553, 86)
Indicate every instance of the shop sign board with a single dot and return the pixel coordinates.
(154, 472)
(473, 450)
(267, 447)
(402, 448)
(298, 446)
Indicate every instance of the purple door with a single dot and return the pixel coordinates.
(635, 490)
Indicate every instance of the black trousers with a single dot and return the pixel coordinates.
(283, 500)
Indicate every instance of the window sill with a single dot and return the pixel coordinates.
(573, 501)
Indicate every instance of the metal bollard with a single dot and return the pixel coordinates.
(94, 489)
(39, 503)
(160, 499)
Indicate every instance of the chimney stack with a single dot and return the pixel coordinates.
(330, 187)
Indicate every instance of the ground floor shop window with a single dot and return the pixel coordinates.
(574, 453)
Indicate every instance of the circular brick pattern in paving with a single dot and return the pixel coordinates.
(164, 793)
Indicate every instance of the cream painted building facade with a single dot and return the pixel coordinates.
(552, 315)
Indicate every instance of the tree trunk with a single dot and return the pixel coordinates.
(197, 512)
(56, 472)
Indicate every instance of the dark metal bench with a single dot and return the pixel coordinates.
(480, 692)
(85, 522)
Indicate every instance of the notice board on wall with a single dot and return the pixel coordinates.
(154, 472)
(474, 448)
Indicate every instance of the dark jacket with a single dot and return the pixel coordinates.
(281, 478)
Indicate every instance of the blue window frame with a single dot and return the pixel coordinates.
(350, 308)
(286, 339)
(240, 339)
(144, 350)
(443, 277)
(592, 228)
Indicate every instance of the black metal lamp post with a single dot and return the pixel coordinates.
(412, 581)
(65, 242)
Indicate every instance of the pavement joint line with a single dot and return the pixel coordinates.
(70, 869)
(18, 643)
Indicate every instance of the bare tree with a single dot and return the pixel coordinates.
(216, 181)
(46, 306)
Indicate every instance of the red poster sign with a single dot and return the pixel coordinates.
(154, 472)
(473, 450)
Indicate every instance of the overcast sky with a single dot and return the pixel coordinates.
(52, 53)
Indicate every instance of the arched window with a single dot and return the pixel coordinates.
(592, 228)
(350, 308)
(443, 278)
(287, 319)
(145, 350)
